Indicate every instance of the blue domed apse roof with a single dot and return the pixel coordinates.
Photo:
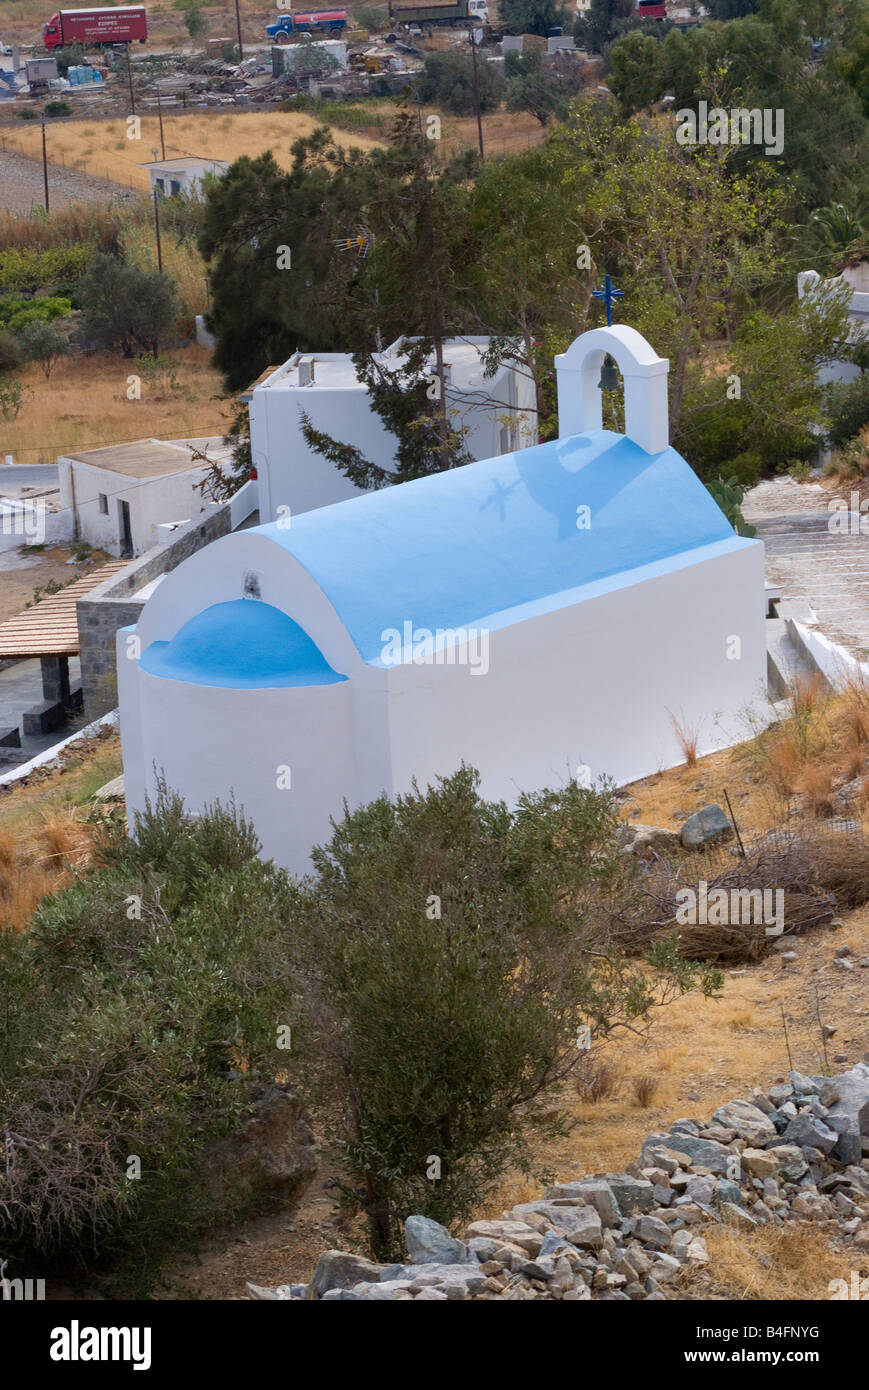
(242, 645)
(473, 545)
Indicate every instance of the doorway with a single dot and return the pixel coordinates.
(125, 530)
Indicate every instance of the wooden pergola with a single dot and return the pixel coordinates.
(50, 627)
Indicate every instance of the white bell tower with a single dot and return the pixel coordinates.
(578, 370)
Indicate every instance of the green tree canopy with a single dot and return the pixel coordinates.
(447, 80)
(531, 16)
(125, 306)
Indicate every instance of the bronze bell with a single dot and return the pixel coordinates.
(609, 375)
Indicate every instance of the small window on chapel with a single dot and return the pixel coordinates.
(104, 504)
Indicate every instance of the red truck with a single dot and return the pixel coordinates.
(126, 24)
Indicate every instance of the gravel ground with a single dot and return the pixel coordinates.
(21, 185)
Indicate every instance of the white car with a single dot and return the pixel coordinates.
(5, 49)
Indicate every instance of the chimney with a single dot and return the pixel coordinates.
(306, 371)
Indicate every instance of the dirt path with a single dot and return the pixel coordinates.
(21, 185)
(810, 560)
(22, 574)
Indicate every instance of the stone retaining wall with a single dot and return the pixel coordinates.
(114, 604)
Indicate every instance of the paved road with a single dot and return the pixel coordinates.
(26, 475)
(810, 560)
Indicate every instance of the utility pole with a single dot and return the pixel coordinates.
(44, 165)
(130, 80)
(477, 91)
(157, 228)
(238, 27)
(160, 114)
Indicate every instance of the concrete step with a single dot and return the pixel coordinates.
(787, 660)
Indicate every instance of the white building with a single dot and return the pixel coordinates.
(183, 175)
(540, 615)
(498, 412)
(122, 494)
(856, 279)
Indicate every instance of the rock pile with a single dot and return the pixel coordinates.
(797, 1152)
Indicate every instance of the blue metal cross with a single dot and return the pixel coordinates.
(608, 294)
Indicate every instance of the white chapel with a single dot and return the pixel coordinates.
(549, 613)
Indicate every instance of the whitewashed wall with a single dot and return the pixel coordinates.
(593, 683)
(152, 501)
(292, 475)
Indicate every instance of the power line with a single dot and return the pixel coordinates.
(88, 444)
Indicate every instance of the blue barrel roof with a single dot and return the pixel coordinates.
(457, 548)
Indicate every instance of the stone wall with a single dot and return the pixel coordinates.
(114, 604)
(796, 1152)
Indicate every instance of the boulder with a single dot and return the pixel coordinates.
(580, 1225)
(652, 1231)
(706, 827)
(273, 1151)
(593, 1192)
(852, 1103)
(748, 1121)
(632, 1194)
(653, 839)
(430, 1243)
(705, 1153)
(808, 1132)
(760, 1163)
(336, 1269)
(512, 1232)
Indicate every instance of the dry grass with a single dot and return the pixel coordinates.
(644, 1089)
(89, 406)
(65, 227)
(45, 836)
(704, 1052)
(822, 743)
(31, 866)
(848, 467)
(778, 1263)
(596, 1080)
(101, 148)
(688, 736)
(63, 839)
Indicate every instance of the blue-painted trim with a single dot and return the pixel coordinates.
(240, 645)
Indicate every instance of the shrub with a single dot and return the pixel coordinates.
(728, 493)
(27, 113)
(44, 344)
(71, 56)
(58, 108)
(370, 18)
(125, 306)
(452, 951)
(12, 397)
(24, 268)
(644, 1089)
(139, 1019)
(10, 353)
(16, 313)
(847, 409)
(195, 22)
(447, 80)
